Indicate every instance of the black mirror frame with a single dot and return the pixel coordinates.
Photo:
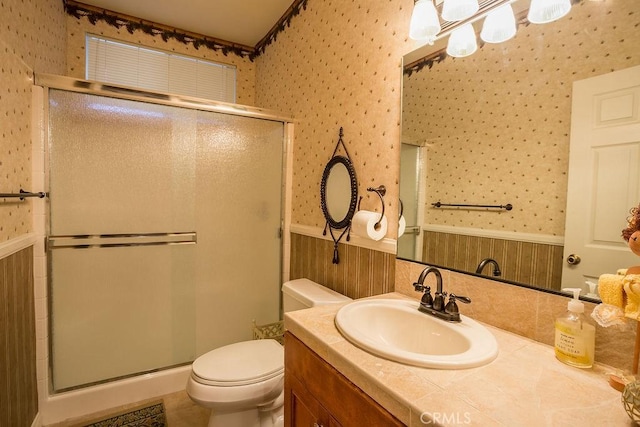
(346, 221)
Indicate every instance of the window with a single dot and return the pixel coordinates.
(126, 64)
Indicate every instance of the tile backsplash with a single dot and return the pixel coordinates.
(526, 312)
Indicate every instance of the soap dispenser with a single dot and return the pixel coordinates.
(575, 335)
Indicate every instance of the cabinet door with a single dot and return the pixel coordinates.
(317, 395)
(301, 408)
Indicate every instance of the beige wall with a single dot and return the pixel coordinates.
(78, 28)
(498, 121)
(338, 64)
(32, 38)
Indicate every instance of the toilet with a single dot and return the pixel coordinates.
(243, 383)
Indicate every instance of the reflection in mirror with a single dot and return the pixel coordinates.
(495, 128)
(338, 192)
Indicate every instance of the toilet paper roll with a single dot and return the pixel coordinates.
(402, 224)
(364, 223)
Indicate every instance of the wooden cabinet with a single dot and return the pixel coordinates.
(316, 395)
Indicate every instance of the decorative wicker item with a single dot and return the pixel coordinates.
(631, 400)
(270, 331)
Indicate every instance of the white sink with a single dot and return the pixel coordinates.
(396, 330)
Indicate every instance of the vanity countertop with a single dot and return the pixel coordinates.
(525, 386)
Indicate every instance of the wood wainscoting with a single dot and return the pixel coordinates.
(361, 272)
(539, 264)
(18, 383)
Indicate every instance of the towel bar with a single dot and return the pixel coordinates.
(22, 194)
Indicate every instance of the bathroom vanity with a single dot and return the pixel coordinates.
(316, 393)
(328, 381)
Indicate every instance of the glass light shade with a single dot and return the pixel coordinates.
(543, 11)
(462, 42)
(499, 25)
(424, 21)
(457, 10)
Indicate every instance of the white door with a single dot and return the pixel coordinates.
(604, 175)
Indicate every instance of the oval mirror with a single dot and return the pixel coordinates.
(339, 192)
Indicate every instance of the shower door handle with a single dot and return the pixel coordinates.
(87, 241)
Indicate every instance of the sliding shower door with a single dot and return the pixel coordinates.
(164, 236)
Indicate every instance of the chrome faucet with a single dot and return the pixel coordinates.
(484, 262)
(435, 305)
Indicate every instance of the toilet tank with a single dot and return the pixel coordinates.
(304, 293)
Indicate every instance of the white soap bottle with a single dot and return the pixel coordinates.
(575, 335)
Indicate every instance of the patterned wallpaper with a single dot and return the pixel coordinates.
(498, 121)
(339, 64)
(32, 38)
(77, 29)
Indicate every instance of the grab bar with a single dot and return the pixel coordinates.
(87, 241)
(22, 194)
(506, 207)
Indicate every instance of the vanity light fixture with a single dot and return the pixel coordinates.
(462, 42)
(458, 17)
(499, 25)
(425, 24)
(544, 11)
(457, 10)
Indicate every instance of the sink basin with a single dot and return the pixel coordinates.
(396, 330)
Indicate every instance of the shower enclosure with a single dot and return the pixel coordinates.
(164, 231)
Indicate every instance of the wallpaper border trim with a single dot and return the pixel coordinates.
(131, 23)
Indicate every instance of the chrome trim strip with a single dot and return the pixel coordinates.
(87, 241)
(134, 94)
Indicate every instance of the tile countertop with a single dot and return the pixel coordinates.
(525, 386)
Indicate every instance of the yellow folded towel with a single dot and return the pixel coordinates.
(610, 289)
(631, 285)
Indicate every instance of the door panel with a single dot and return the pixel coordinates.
(604, 175)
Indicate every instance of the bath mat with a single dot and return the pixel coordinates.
(151, 415)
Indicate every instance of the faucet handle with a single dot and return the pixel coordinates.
(427, 299)
(452, 307)
(460, 298)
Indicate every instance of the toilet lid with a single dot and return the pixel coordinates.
(241, 363)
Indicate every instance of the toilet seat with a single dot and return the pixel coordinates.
(243, 363)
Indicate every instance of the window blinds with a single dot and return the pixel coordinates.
(126, 64)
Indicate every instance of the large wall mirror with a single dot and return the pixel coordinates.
(494, 128)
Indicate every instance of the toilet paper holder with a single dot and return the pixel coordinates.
(380, 191)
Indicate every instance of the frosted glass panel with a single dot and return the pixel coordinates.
(120, 166)
(119, 311)
(129, 168)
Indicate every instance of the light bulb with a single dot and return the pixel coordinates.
(544, 11)
(457, 10)
(462, 42)
(499, 25)
(425, 24)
